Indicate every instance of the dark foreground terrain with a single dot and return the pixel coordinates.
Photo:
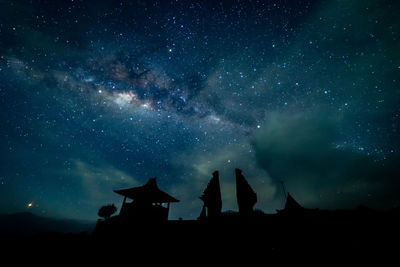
(307, 232)
(310, 233)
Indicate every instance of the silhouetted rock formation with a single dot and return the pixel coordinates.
(246, 197)
(212, 198)
(149, 202)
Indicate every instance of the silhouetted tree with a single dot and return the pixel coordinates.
(106, 211)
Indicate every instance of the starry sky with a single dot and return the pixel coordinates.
(102, 95)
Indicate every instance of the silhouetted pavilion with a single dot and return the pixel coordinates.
(149, 202)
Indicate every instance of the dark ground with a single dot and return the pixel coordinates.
(309, 234)
(309, 231)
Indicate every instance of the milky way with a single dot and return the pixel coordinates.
(97, 96)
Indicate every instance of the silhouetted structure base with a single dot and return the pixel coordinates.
(309, 231)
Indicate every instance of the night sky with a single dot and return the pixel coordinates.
(102, 95)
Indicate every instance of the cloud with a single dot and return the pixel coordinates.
(302, 151)
(93, 183)
(99, 180)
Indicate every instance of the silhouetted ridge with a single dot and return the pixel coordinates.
(29, 224)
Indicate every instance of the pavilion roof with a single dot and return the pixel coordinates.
(148, 192)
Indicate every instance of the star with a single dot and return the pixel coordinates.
(180, 89)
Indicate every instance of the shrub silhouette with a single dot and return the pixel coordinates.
(106, 211)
